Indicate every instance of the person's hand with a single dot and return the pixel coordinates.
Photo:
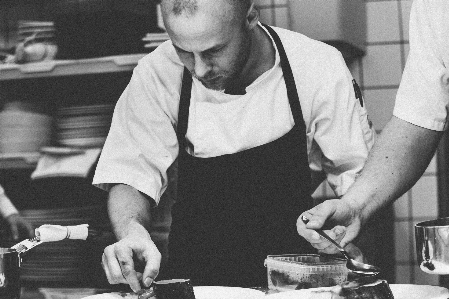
(342, 219)
(120, 259)
(20, 227)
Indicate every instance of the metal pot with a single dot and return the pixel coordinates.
(432, 245)
(9, 274)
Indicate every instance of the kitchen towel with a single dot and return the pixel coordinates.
(53, 233)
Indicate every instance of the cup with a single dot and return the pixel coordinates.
(9, 274)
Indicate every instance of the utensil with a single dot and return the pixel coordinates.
(10, 267)
(351, 264)
(9, 274)
(10, 258)
(26, 245)
(432, 245)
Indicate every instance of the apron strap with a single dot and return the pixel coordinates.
(289, 79)
(184, 104)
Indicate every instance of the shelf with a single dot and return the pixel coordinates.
(55, 68)
(19, 160)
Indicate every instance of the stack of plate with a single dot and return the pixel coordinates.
(83, 126)
(23, 131)
(41, 31)
(153, 40)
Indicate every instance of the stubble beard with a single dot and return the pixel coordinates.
(234, 74)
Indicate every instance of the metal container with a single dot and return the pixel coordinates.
(432, 245)
(9, 274)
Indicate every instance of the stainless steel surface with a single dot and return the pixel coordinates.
(9, 274)
(351, 264)
(432, 245)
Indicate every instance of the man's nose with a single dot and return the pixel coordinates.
(201, 66)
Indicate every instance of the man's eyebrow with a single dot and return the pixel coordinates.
(210, 50)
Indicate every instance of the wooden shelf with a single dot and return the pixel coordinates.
(57, 68)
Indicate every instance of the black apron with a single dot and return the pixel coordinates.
(234, 210)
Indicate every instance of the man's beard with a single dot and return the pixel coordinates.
(222, 81)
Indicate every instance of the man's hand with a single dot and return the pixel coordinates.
(20, 228)
(342, 219)
(119, 260)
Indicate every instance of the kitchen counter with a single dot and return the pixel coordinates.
(33, 293)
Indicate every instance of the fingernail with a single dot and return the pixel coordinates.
(147, 282)
(338, 231)
(316, 236)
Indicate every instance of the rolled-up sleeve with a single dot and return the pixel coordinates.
(141, 144)
(341, 131)
(423, 95)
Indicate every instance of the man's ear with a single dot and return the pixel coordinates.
(252, 16)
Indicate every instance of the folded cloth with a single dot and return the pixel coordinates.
(77, 165)
(52, 233)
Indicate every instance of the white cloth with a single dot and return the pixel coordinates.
(423, 95)
(6, 206)
(142, 143)
(52, 233)
(77, 165)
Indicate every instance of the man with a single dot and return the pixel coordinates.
(19, 227)
(408, 142)
(265, 106)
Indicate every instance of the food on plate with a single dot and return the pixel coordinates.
(363, 289)
(146, 294)
(142, 294)
(174, 289)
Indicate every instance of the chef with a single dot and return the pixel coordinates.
(408, 141)
(253, 116)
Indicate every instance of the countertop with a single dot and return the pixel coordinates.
(34, 293)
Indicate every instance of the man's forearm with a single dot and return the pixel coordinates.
(128, 210)
(397, 161)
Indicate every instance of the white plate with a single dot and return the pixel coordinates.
(400, 291)
(411, 291)
(201, 292)
(217, 292)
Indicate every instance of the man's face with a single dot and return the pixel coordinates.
(212, 44)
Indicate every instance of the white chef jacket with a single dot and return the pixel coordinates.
(423, 95)
(142, 142)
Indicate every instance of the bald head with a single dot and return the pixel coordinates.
(190, 7)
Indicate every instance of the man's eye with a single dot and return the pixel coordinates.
(215, 51)
(212, 53)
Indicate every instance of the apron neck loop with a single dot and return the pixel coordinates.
(289, 79)
(184, 104)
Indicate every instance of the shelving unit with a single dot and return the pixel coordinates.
(58, 68)
(19, 160)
